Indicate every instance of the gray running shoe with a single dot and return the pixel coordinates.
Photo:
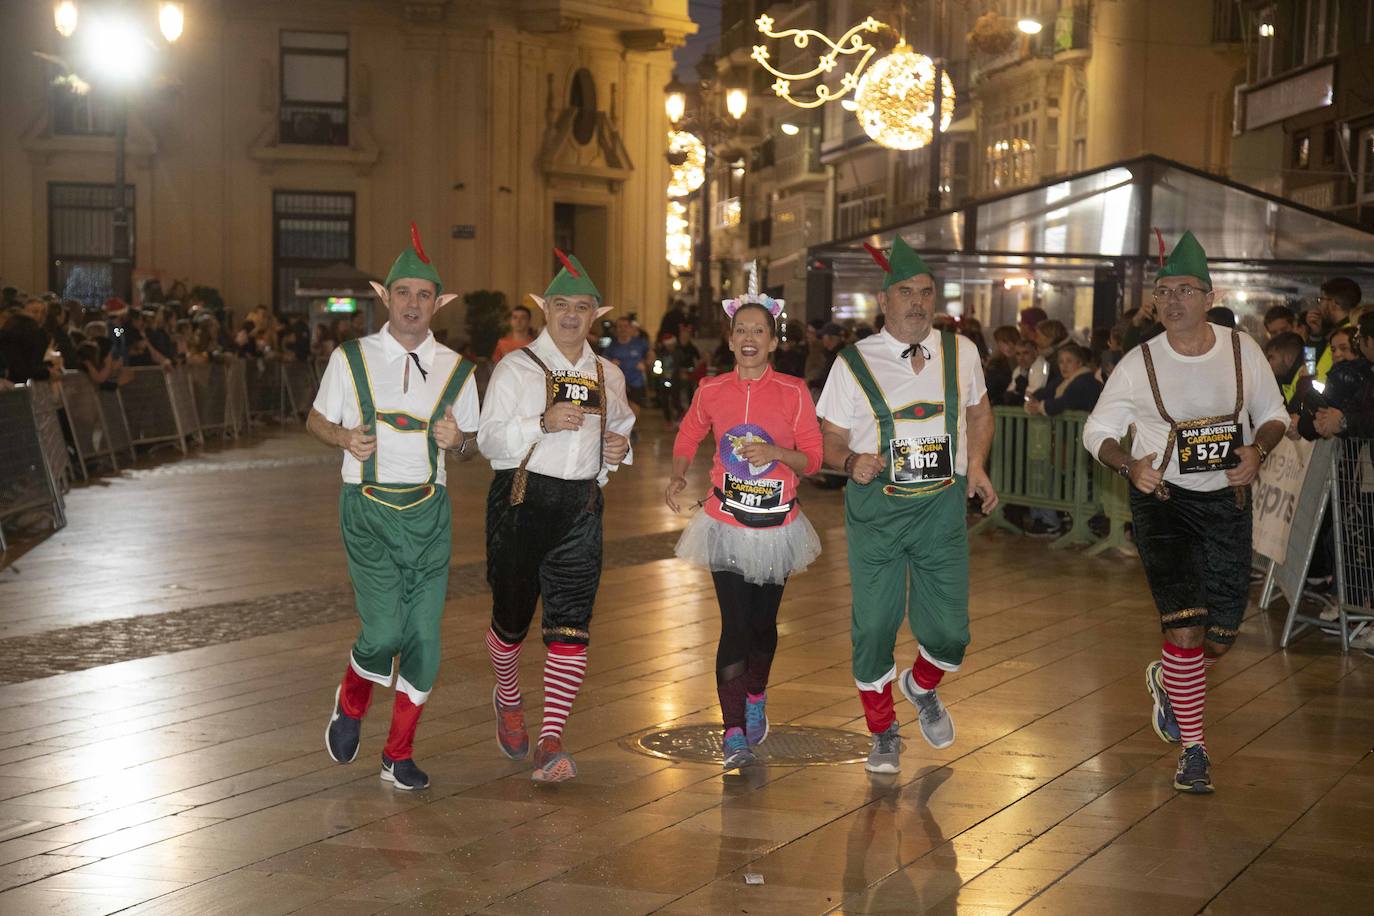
(936, 725)
(1163, 720)
(1194, 771)
(886, 756)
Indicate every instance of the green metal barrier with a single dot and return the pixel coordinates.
(1039, 462)
(1114, 491)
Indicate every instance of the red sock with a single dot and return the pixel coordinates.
(405, 718)
(564, 668)
(1185, 681)
(878, 712)
(505, 661)
(1209, 660)
(355, 694)
(926, 674)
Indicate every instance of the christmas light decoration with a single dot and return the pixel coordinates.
(688, 176)
(852, 44)
(679, 236)
(896, 100)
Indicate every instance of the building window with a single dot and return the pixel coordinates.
(1302, 150)
(1319, 24)
(1329, 144)
(309, 230)
(860, 210)
(314, 88)
(81, 114)
(81, 240)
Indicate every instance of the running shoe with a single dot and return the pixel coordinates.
(551, 762)
(1194, 771)
(936, 725)
(756, 720)
(1166, 726)
(737, 752)
(404, 774)
(342, 733)
(886, 755)
(511, 735)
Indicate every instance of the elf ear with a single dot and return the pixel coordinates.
(539, 300)
(601, 311)
(382, 294)
(444, 300)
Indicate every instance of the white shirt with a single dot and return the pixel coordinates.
(1192, 387)
(844, 403)
(402, 457)
(517, 397)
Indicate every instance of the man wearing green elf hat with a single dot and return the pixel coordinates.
(554, 424)
(906, 415)
(396, 403)
(1206, 411)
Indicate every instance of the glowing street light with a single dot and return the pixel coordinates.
(64, 17)
(171, 18)
(736, 102)
(1029, 26)
(675, 101)
(114, 49)
(789, 128)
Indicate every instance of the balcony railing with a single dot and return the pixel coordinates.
(726, 213)
(798, 222)
(1073, 29)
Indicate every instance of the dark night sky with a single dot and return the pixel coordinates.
(706, 14)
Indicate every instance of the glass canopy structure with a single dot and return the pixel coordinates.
(1083, 248)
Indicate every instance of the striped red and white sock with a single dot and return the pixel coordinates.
(564, 668)
(505, 661)
(1185, 681)
(1208, 661)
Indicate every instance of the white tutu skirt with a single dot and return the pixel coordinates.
(762, 556)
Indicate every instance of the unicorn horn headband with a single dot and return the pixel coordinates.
(774, 306)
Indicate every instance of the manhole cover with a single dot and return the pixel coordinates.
(786, 745)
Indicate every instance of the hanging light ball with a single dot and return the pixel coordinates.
(895, 99)
(688, 174)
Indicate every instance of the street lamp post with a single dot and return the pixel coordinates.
(712, 129)
(115, 47)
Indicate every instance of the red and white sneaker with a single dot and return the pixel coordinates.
(511, 735)
(551, 762)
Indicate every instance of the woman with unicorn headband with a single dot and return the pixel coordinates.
(751, 533)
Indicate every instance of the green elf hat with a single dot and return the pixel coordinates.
(903, 263)
(572, 280)
(412, 264)
(1186, 260)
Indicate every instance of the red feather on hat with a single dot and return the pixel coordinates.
(1159, 235)
(415, 241)
(879, 257)
(566, 263)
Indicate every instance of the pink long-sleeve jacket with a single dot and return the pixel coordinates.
(774, 408)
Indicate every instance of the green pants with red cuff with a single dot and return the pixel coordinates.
(908, 560)
(398, 545)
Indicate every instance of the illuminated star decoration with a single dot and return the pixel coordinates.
(851, 44)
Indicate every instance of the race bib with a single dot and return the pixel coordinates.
(921, 459)
(760, 494)
(1208, 445)
(574, 388)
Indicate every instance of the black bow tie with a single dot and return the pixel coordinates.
(906, 354)
(424, 376)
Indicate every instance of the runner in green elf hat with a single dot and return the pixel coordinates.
(903, 264)
(571, 281)
(395, 403)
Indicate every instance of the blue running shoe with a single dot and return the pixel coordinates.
(1194, 771)
(737, 752)
(1165, 725)
(756, 720)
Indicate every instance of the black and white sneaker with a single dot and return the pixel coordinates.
(404, 773)
(342, 734)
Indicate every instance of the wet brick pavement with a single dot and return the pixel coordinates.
(125, 639)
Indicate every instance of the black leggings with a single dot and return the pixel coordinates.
(748, 639)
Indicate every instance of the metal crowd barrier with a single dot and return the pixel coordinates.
(86, 422)
(1352, 511)
(46, 405)
(236, 417)
(116, 423)
(150, 404)
(27, 482)
(1113, 492)
(1039, 462)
